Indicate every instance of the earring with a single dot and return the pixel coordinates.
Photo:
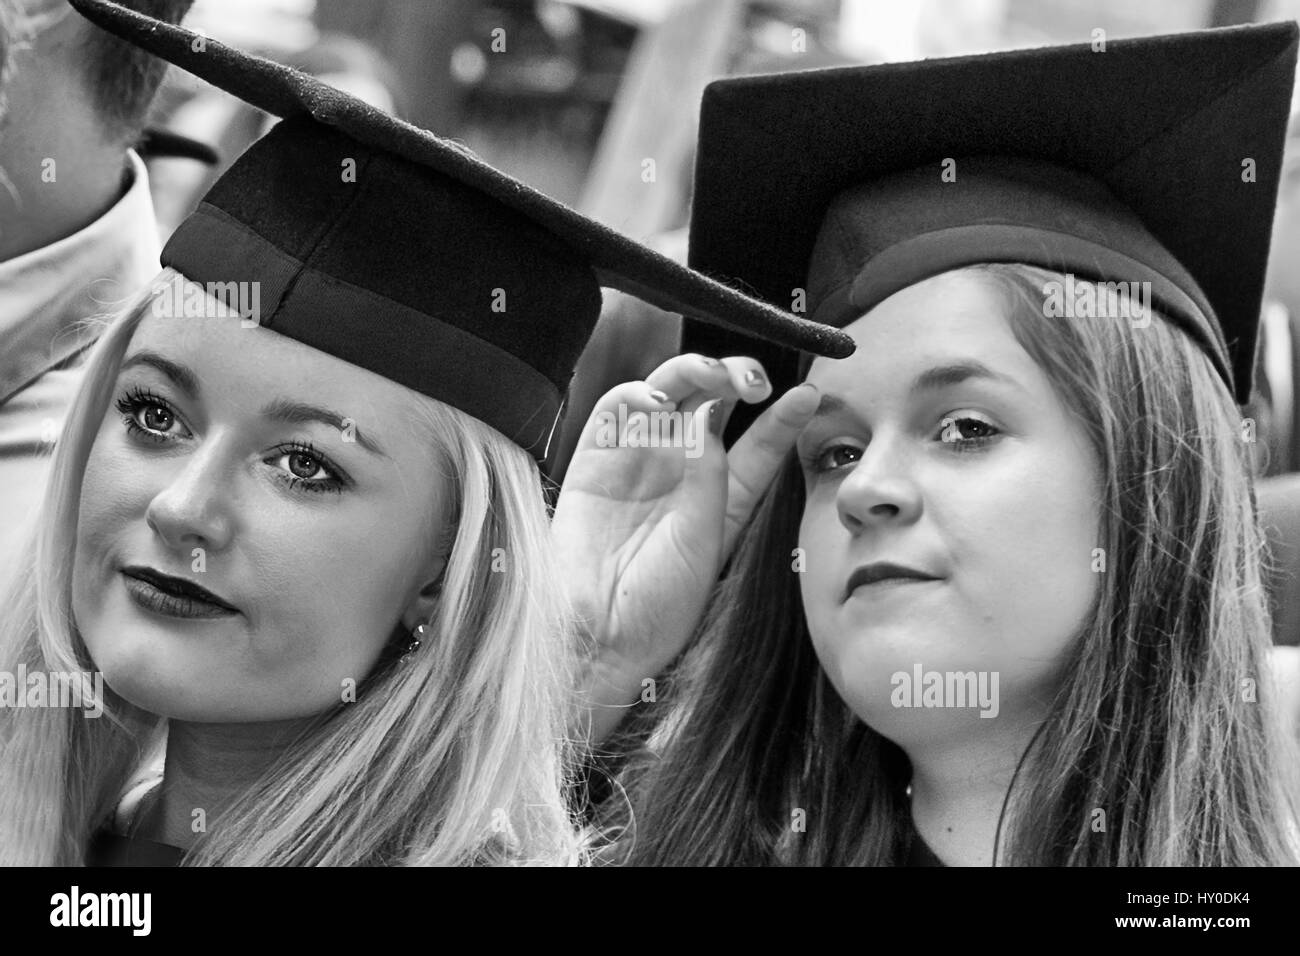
(417, 638)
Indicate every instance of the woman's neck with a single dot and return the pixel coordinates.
(208, 767)
(958, 788)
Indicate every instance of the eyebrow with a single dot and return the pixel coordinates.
(932, 379)
(296, 413)
(943, 376)
(277, 410)
(184, 379)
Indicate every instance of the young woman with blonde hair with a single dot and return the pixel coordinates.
(300, 732)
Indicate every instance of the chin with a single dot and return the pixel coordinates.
(137, 677)
(864, 653)
(160, 700)
(175, 702)
(868, 669)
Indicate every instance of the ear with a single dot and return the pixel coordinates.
(47, 20)
(421, 607)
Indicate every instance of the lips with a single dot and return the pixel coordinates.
(177, 587)
(881, 571)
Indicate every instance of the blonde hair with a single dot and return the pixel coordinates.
(458, 756)
(1152, 725)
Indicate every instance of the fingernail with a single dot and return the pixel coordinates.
(715, 416)
(812, 396)
(754, 378)
(659, 396)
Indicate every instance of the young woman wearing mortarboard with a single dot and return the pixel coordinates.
(996, 485)
(312, 542)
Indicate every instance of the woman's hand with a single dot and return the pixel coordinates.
(651, 506)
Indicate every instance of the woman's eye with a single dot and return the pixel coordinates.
(836, 456)
(157, 418)
(148, 416)
(304, 469)
(302, 465)
(965, 431)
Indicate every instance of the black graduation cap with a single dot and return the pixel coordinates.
(403, 253)
(1153, 160)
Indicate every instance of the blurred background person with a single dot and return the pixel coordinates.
(285, 31)
(77, 234)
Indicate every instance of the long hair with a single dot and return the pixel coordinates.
(457, 756)
(1162, 746)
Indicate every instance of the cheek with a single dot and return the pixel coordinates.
(107, 486)
(821, 537)
(1023, 550)
(112, 496)
(339, 588)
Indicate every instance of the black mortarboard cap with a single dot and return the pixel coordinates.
(403, 253)
(1154, 160)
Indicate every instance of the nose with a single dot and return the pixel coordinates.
(193, 509)
(879, 490)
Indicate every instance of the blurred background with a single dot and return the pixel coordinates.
(553, 90)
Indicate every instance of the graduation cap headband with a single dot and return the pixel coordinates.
(1157, 160)
(403, 253)
(1047, 215)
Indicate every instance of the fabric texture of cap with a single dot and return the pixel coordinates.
(403, 253)
(1154, 160)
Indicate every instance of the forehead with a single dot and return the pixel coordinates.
(248, 366)
(951, 317)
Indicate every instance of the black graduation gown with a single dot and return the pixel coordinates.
(113, 849)
(918, 852)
